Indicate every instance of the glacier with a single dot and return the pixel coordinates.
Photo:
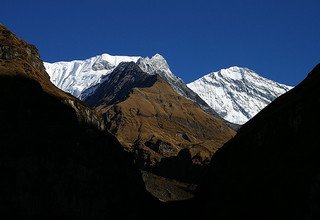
(77, 76)
(237, 94)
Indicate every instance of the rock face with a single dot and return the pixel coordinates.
(154, 122)
(237, 94)
(119, 84)
(271, 169)
(55, 161)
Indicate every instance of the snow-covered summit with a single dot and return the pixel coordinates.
(156, 65)
(78, 75)
(237, 94)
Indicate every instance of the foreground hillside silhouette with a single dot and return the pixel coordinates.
(271, 169)
(56, 162)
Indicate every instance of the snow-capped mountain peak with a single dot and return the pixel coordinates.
(235, 73)
(237, 93)
(160, 61)
(78, 75)
(156, 65)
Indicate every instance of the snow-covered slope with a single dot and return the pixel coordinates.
(237, 94)
(78, 75)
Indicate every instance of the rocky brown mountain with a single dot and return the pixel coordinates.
(157, 124)
(56, 161)
(271, 168)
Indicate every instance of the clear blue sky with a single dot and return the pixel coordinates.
(278, 39)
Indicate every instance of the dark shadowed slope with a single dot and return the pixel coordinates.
(55, 163)
(271, 169)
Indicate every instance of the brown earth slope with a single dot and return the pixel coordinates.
(150, 119)
(162, 122)
(271, 169)
(53, 165)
